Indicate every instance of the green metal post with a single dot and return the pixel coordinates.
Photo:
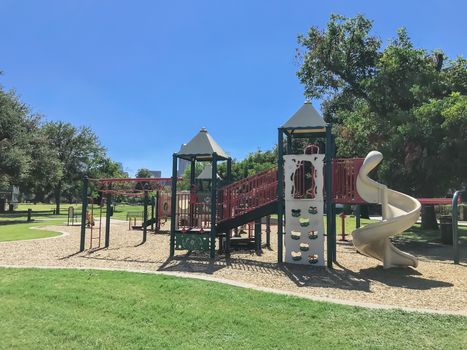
(29, 215)
(455, 235)
(157, 218)
(145, 214)
(108, 211)
(213, 205)
(333, 233)
(228, 234)
(153, 206)
(280, 196)
(192, 188)
(289, 144)
(258, 236)
(173, 204)
(329, 204)
(84, 208)
(357, 216)
(334, 237)
(268, 231)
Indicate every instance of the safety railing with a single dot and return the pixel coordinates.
(247, 194)
(344, 180)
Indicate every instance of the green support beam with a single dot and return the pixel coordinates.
(173, 205)
(108, 212)
(192, 188)
(358, 215)
(268, 231)
(153, 206)
(213, 205)
(280, 196)
(330, 228)
(258, 236)
(84, 208)
(145, 213)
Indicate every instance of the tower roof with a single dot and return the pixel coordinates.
(201, 147)
(306, 119)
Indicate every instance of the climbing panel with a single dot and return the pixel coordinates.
(304, 203)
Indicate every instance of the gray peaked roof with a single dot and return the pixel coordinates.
(206, 174)
(307, 117)
(201, 147)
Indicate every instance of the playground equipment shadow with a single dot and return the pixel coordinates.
(435, 285)
(431, 250)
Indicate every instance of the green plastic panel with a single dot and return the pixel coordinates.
(192, 241)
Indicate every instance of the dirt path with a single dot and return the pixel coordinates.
(436, 284)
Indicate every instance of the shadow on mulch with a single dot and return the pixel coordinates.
(431, 250)
(402, 278)
(302, 276)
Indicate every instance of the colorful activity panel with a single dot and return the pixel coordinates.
(304, 231)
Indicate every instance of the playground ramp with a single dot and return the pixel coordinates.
(400, 212)
(249, 199)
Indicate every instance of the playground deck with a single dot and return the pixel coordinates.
(436, 284)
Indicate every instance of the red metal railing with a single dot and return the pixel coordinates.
(258, 190)
(344, 180)
(247, 194)
(437, 201)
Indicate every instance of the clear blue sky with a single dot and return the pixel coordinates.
(147, 75)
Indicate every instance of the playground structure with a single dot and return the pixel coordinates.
(299, 199)
(302, 190)
(152, 191)
(399, 210)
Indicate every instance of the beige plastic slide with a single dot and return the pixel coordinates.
(400, 212)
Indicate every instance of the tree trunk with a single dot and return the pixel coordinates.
(429, 218)
(58, 195)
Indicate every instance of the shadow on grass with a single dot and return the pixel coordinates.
(15, 222)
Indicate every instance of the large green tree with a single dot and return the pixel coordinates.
(17, 127)
(77, 151)
(409, 103)
(252, 164)
(44, 168)
(143, 173)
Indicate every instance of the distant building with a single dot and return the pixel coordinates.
(155, 173)
(182, 164)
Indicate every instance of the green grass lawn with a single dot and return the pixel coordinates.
(415, 233)
(23, 231)
(120, 212)
(15, 227)
(72, 309)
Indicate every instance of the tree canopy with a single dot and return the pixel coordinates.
(17, 126)
(47, 158)
(143, 173)
(409, 103)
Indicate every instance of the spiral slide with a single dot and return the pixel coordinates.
(400, 212)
